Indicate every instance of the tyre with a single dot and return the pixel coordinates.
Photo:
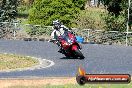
(79, 54)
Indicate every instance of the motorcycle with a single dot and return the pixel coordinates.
(70, 47)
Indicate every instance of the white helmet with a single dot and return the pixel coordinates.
(56, 24)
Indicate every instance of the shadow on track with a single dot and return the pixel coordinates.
(71, 58)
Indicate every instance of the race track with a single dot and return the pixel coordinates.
(98, 59)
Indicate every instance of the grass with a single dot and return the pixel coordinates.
(78, 86)
(10, 62)
(55, 82)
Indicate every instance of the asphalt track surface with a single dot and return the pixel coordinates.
(98, 59)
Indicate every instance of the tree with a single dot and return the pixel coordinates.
(117, 14)
(80, 3)
(115, 23)
(45, 11)
(114, 7)
(8, 10)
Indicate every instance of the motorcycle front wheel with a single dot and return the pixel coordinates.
(79, 54)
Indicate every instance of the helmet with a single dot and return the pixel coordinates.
(56, 24)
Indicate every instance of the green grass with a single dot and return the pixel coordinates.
(10, 62)
(78, 86)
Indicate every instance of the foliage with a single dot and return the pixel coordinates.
(23, 9)
(38, 30)
(117, 14)
(45, 11)
(8, 10)
(24, 6)
(115, 23)
(113, 6)
(80, 3)
(91, 18)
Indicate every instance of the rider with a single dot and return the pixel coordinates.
(58, 30)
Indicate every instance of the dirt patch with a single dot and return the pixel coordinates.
(5, 83)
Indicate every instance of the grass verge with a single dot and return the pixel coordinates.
(55, 83)
(12, 62)
(78, 86)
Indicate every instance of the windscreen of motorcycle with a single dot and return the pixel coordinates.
(67, 39)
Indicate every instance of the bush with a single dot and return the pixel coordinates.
(115, 23)
(45, 11)
(91, 18)
(117, 18)
(38, 30)
(8, 10)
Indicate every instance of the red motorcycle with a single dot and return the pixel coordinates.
(70, 47)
